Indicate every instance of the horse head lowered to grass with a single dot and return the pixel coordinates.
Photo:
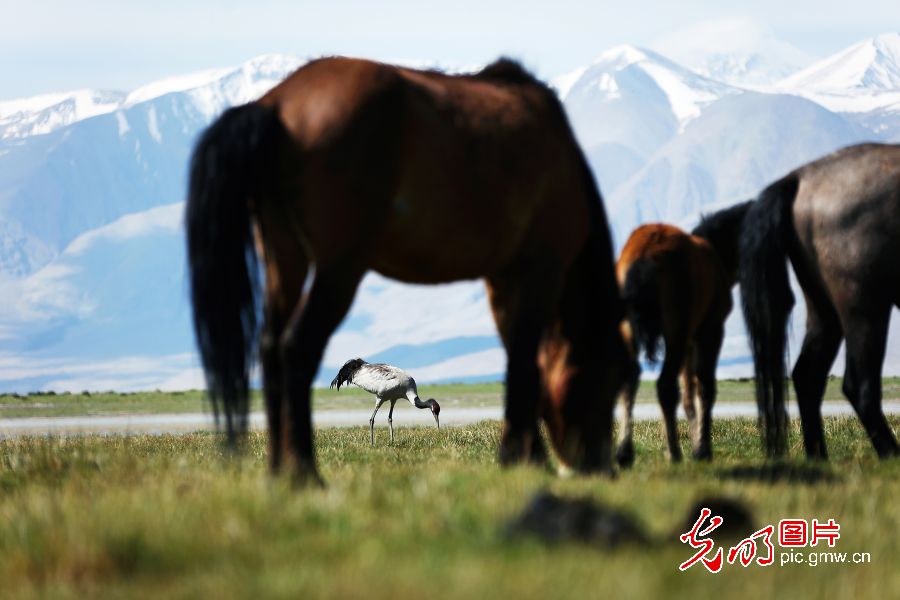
(349, 166)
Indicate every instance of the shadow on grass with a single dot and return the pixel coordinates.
(556, 520)
(778, 472)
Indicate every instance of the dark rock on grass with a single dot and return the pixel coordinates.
(557, 520)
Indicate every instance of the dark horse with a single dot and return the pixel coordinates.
(838, 222)
(677, 287)
(351, 165)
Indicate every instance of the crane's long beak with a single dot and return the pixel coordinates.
(437, 420)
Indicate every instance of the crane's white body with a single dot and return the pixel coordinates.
(388, 383)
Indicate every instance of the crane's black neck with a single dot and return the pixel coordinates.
(426, 404)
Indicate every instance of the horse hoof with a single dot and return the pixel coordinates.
(625, 456)
(307, 477)
(702, 455)
(522, 448)
(888, 453)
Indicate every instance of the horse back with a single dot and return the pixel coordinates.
(442, 177)
(691, 278)
(846, 217)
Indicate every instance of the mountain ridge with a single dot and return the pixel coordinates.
(91, 245)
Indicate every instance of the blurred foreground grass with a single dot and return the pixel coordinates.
(169, 516)
(449, 395)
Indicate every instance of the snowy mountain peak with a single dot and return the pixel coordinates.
(624, 55)
(873, 64)
(178, 83)
(632, 71)
(266, 70)
(213, 89)
(44, 113)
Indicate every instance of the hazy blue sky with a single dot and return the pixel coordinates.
(54, 45)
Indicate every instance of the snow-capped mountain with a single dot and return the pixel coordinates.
(92, 272)
(125, 158)
(43, 114)
(861, 79)
(730, 152)
(628, 73)
(870, 65)
(629, 103)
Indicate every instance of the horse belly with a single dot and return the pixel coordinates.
(434, 237)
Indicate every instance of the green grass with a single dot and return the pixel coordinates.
(449, 395)
(168, 516)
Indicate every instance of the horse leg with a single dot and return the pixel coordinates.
(302, 344)
(272, 380)
(378, 403)
(689, 392)
(286, 269)
(866, 341)
(810, 374)
(667, 392)
(707, 355)
(625, 450)
(523, 304)
(689, 395)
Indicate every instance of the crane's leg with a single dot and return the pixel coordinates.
(391, 419)
(378, 403)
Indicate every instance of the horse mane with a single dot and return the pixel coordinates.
(507, 70)
(722, 229)
(727, 218)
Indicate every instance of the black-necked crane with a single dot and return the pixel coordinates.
(389, 384)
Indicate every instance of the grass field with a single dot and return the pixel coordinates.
(449, 395)
(169, 516)
(112, 403)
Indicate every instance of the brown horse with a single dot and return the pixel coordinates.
(351, 165)
(677, 287)
(837, 220)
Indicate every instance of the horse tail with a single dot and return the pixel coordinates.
(226, 170)
(640, 293)
(767, 300)
(347, 372)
